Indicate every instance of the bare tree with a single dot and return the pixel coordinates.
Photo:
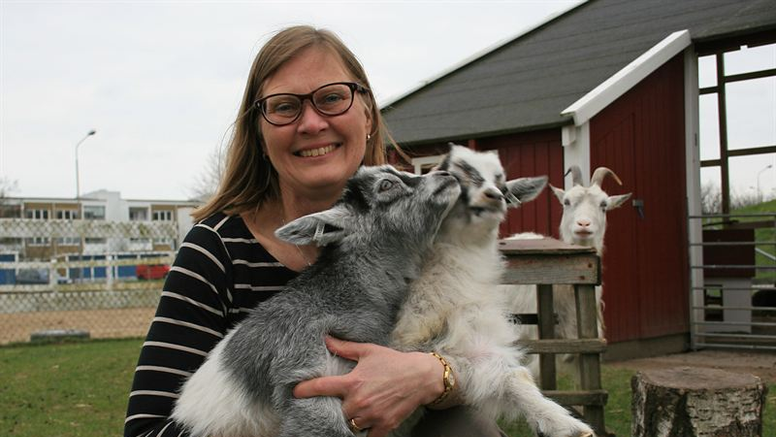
(207, 181)
(742, 200)
(7, 187)
(711, 199)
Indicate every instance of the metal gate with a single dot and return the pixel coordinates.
(733, 291)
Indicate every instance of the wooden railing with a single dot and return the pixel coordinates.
(547, 262)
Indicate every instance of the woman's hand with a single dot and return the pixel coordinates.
(384, 388)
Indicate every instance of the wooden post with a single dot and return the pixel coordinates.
(546, 311)
(547, 262)
(690, 402)
(589, 363)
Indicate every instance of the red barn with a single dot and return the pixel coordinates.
(608, 83)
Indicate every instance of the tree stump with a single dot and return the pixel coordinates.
(690, 402)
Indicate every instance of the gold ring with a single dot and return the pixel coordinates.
(353, 427)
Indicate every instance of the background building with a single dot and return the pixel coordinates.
(609, 83)
(97, 227)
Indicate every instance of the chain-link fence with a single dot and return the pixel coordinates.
(84, 277)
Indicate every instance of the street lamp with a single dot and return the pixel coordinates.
(77, 179)
(759, 196)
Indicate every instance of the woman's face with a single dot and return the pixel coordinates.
(315, 154)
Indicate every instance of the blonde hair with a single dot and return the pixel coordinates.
(248, 179)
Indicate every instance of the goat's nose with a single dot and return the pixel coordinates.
(493, 194)
(583, 222)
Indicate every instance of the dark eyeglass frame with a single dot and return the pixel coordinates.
(260, 103)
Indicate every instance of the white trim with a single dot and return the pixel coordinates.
(693, 185)
(611, 89)
(418, 163)
(391, 100)
(576, 149)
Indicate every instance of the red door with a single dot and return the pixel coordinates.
(641, 137)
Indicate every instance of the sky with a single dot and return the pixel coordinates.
(161, 82)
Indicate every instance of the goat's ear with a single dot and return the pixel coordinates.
(617, 201)
(524, 190)
(559, 193)
(321, 228)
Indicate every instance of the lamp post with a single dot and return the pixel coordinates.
(759, 195)
(77, 179)
(77, 197)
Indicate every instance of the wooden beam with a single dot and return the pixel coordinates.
(572, 346)
(583, 397)
(723, 134)
(546, 311)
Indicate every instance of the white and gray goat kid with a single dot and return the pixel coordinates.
(454, 308)
(244, 388)
(583, 223)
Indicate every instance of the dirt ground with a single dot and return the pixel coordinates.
(112, 323)
(762, 364)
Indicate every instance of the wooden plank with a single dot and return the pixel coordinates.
(572, 346)
(589, 363)
(582, 268)
(542, 246)
(546, 311)
(577, 398)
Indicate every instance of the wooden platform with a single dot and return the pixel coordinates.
(547, 262)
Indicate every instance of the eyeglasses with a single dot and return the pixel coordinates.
(331, 99)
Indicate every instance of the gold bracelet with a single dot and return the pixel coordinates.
(448, 379)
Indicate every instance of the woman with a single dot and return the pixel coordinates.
(308, 121)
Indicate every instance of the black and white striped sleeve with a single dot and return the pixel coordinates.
(191, 318)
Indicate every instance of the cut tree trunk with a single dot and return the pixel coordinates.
(690, 402)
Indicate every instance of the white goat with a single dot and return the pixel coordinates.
(584, 224)
(454, 308)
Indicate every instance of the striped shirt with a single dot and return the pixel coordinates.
(220, 272)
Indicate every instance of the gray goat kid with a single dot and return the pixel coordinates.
(454, 308)
(385, 219)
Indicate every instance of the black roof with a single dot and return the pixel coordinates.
(527, 82)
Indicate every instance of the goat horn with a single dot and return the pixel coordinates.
(601, 173)
(576, 175)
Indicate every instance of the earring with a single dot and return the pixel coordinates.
(368, 137)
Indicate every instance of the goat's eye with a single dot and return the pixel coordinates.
(603, 205)
(385, 185)
(566, 202)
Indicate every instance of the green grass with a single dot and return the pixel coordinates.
(75, 389)
(80, 390)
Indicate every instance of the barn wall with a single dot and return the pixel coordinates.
(531, 154)
(641, 137)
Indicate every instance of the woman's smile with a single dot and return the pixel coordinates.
(313, 152)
